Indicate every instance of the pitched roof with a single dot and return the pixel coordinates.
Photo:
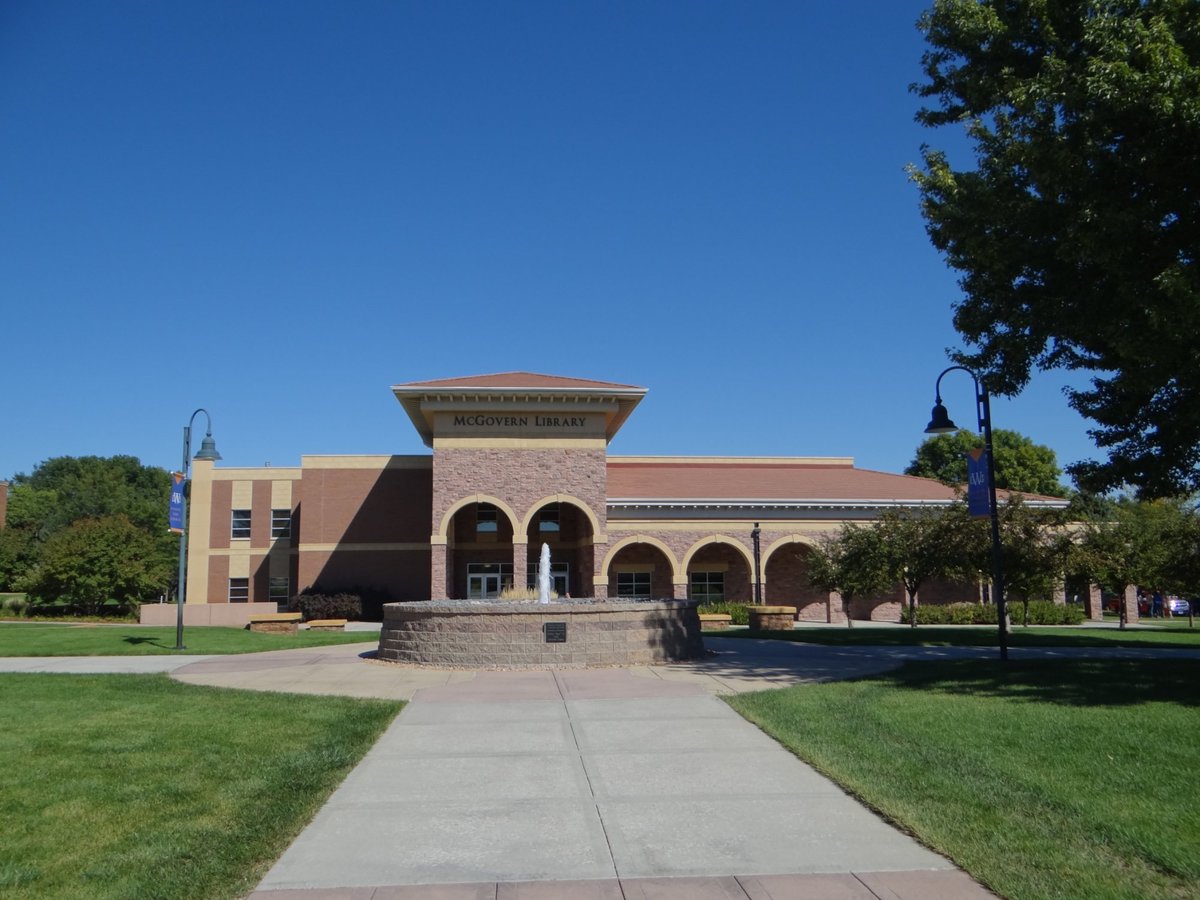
(724, 480)
(531, 380)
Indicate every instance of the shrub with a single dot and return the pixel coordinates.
(1045, 612)
(328, 606)
(524, 595)
(952, 614)
(737, 612)
(1041, 612)
(14, 605)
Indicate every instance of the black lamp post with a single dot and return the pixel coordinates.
(940, 423)
(208, 450)
(754, 537)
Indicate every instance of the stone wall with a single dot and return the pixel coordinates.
(513, 635)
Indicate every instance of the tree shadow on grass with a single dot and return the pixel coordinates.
(137, 640)
(1071, 682)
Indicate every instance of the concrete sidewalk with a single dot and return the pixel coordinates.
(594, 784)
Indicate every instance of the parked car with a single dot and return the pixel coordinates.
(1177, 606)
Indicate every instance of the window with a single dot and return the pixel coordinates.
(707, 587)
(239, 590)
(279, 588)
(485, 518)
(633, 585)
(241, 524)
(281, 523)
(548, 518)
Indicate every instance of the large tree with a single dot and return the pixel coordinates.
(66, 490)
(851, 563)
(1021, 465)
(1077, 230)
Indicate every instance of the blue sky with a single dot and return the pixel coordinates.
(276, 210)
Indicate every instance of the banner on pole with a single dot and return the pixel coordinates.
(175, 509)
(978, 497)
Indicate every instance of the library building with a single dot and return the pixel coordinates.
(519, 460)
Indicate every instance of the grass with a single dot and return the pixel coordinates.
(37, 639)
(138, 786)
(1045, 779)
(983, 636)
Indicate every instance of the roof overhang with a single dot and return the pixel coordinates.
(422, 401)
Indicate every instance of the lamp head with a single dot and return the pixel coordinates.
(208, 449)
(939, 421)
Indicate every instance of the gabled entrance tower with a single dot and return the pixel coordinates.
(519, 460)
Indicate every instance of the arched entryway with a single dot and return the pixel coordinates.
(567, 527)
(717, 570)
(640, 568)
(479, 551)
(786, 574)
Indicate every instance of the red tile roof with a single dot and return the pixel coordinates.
(784, 480)
(520, 380)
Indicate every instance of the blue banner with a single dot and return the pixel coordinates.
(175, 509)
(978, 497)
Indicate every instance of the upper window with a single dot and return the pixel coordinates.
(548, 518)
(486, 518)
(240, 527)
(281, 523)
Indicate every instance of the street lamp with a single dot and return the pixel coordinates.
(754, 537)
(939, 423)
(208, 450)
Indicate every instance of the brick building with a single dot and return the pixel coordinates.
(519, 460)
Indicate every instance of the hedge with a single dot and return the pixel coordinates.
(1041, 612)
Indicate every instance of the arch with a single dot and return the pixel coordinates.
(783, 542)
(597, 532)
(640, 539)
(717, 539)
(443, 529)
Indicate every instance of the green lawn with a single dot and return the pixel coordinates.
(139, 786)
(982, 636)
(37, 639)
(1046, 779)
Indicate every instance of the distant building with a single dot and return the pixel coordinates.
(519, 460)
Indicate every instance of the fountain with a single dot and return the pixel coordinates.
(543, 575)
(546, 633)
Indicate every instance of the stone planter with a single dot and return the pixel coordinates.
(771, 618)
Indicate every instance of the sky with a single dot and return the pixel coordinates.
(277, 210)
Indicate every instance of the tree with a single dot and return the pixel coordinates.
(925, 544)
(1021, 465)
(93, 561)
(852, 563)
(1077, 233)
(1036, 549)
(66, 490)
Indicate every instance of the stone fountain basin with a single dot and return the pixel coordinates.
(510, 634)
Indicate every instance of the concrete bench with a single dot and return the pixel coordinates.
(327, 625)
(275, 623)
(715, 621)
(771, 618)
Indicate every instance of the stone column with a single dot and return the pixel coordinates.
(520, 564)
(679, 590)
(1060, 593)
(1129, 601)
(600, 587)
(439, 569)
(833, 606)
(1095, 603)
